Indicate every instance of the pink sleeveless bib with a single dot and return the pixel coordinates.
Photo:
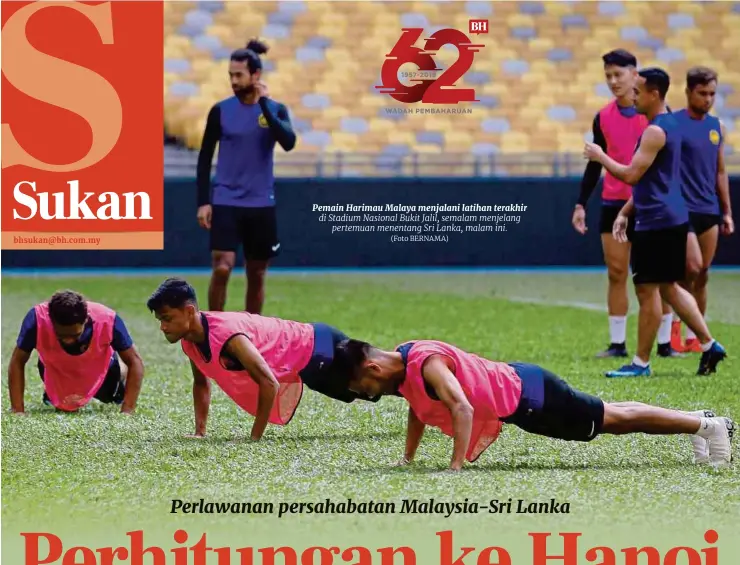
(622, 135)
(493, 389)
(287, 347)
(71, 381)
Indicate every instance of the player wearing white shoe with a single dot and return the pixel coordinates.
(713, 442)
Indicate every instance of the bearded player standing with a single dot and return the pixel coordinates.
(706, 188)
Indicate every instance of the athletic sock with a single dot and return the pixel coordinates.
(639, 362)
(705, 428)
(664, 332)
(707, 346)
(618, 329)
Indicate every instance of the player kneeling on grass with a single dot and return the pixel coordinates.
(261, 363)
(470, 398)
(79, 343)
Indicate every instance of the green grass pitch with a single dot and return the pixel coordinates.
(117, 464)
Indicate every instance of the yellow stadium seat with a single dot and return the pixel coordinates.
(345, 140)
(382, 125)
(520, 20)
(458, 139)
(731, 42)
(558, 8)
(543, 67)
(201, 68)
(499, 88)
(541, 44)
(397, 136)
(689, 8)
(623, 20)
(514, 137)
(549, 128)
(533, 78)
(428, 148)
(336, 112)
(606, 33)
(533, 109)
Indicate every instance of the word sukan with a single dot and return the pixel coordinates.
(70, 206)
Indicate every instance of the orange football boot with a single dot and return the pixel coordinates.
(692, 346)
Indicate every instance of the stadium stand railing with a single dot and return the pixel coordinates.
(182, 163)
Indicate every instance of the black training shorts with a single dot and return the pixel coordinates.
(255, 229)
(551, 407)
(659, 256)
(606, 221)
(699, 223)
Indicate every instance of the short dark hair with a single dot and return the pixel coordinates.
(251, 55)
(350, 354)
(67, 308)
(173, 293)
(700, 76)
(656, 79)
(620, 58)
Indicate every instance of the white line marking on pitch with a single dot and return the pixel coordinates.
(570, 304)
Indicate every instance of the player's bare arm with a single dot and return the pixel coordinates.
(135, 376)
(653, 140)
(201, 400)
(438, 373)
(628, 208)
(251, 359)
(723, 189)
(17, 379)
(414, 434)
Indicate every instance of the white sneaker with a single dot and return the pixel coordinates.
(720, 443)
(700, 445)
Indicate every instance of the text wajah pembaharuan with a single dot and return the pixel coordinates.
(349, 506)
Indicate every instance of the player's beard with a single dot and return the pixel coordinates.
(244, 91)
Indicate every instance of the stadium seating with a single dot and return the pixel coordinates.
(539, 77)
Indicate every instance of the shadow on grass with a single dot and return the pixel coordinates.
(421, 469)
(303, 438)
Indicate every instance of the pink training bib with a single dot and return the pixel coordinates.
(621, 134)
(71, 381)
(493, 389)
(287, 347)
